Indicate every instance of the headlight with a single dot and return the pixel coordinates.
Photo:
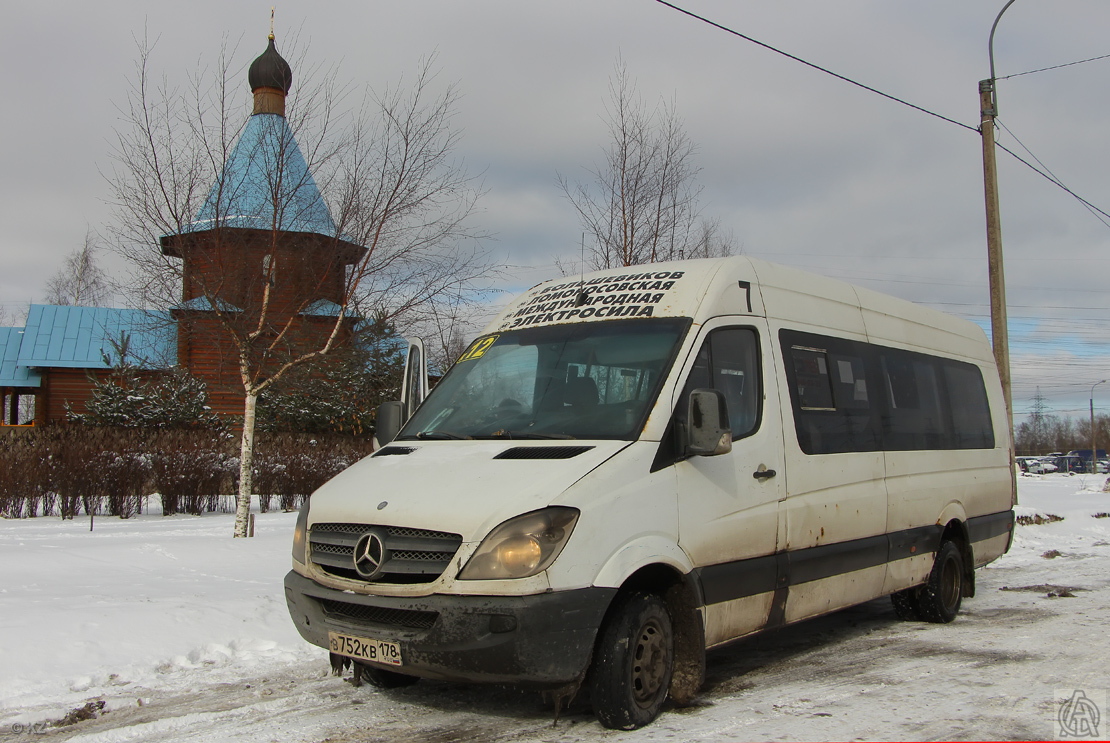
(300, 535)
(522, 546)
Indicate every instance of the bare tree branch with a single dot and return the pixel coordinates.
(640, 206)
(80, 280)
(397, 246)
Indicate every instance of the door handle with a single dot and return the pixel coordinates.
(763, 474)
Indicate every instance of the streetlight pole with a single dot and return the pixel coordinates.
(1094, 451)
(1000, 337)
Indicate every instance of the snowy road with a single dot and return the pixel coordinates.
(857, 674)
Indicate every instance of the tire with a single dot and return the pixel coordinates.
(633, 663)
(906, 605)
(383, 679)
(938, 601)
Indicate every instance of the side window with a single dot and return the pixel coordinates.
(811, 369)
(971, 415)
(854, 396)
(913, 419)
(729, 361)
(831, 393)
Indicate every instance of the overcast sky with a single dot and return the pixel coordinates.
(802, 168)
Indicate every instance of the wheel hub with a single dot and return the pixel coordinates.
(649, 663)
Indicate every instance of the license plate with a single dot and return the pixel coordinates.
(365, 648)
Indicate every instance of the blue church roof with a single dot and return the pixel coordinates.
(11, 373)
(206, 304)
(265, 179)
(88, 338)
(327, 308)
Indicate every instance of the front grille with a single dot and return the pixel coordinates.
(411, 555)
(425, 556)
(377, 615)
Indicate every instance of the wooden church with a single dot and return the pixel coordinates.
(264, 274)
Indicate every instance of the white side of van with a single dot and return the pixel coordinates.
(632, 466)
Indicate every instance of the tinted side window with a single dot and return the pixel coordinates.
(854, 396)
(913, 418)
(812, 378)
(832, 394)
(971, 415)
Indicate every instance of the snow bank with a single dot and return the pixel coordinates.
(139, 601)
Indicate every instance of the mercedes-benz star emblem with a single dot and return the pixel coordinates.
(370, 555)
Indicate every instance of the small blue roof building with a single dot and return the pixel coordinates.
(264, 223)
(60, 345)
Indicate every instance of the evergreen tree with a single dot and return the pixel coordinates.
(339, 394)
(128, 399)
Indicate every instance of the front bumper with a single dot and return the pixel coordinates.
(545, 639)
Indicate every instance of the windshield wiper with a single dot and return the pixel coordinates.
(526, 435)
(439, 435)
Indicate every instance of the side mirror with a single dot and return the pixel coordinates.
(708, 433)
(390, 418)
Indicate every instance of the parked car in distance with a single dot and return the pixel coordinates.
(1070, 464)
(1035, 465)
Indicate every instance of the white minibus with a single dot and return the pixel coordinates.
(629, 467)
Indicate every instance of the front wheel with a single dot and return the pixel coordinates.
(632, 667)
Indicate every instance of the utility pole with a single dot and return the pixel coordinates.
(1094, 451)
(988, 110)
(1000, 336)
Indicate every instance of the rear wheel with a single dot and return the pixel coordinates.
(633, 663)
(939, 599)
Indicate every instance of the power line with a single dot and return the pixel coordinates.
(1054, 67)
(819, 68)
(858, 84)
(1050, 176)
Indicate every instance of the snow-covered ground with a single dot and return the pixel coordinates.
(182, 633)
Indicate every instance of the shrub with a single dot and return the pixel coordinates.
(69, 470)
(130, 399)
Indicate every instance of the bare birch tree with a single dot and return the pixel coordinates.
(398, 204)
(641, 204)
(80, 280)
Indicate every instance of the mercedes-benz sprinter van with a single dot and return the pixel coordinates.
(629, 467)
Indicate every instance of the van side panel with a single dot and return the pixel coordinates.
(727, 620)
(729, 512)
(879, 513)
(990, 535)
(834, 499)
(895, 322)
(817, 304)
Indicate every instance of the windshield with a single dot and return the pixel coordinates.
(593, 380)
